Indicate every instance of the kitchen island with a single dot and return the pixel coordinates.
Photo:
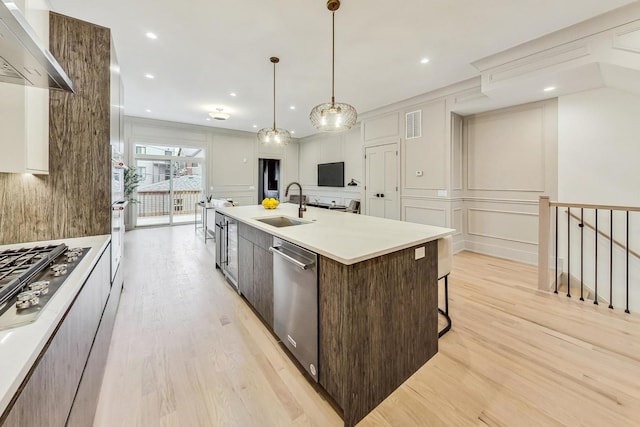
(377, 296)
(47, 365)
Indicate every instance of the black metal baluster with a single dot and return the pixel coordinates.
(581, 254)
(556, 278)
(569, 252)
(595, 298)
(611, 260)
(627, 309)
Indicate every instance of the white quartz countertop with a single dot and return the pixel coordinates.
(20, 346)
(345, 237)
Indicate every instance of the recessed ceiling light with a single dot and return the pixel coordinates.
(424, 61)
(293, 107)
(233, 94)
(549, 89)
(148, 110)
(151, 35)
(150, 76)
(208, 119)
(293, 132)
(255, 126)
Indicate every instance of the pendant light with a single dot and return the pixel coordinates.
(333, 116)
(274, 135)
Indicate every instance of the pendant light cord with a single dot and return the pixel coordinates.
(333, 57)
(274, 96)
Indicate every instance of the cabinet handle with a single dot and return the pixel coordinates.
(382, 195)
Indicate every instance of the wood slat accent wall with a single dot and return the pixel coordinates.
(378, 325)
(74, 200)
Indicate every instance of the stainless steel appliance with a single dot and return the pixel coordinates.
(295, 302)
(25, 59)
(29, 277)
(227, 248)
(117, 216)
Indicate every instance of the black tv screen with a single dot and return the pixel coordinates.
(331, 174)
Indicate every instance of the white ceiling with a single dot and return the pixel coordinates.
(207, 49)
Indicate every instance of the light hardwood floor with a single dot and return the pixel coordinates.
(187, 351)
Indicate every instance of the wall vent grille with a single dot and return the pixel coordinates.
(413, 128)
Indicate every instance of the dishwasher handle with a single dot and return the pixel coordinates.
(280, 251)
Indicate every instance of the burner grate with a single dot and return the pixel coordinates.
(18, 266)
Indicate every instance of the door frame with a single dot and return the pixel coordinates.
(172, 160)
(397, 143)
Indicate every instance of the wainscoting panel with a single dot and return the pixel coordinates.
(456, 152)
(429, 216)
(513, 226)
(458, 221)
(425, 158)
(506, 151)
(384, 127)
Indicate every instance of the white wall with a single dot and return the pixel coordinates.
(599, 147)
(326, 148)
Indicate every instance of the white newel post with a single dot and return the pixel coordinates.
(543, 243)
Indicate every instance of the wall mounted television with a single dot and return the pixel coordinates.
(331, 174)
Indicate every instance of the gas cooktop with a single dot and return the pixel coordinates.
(29, 277)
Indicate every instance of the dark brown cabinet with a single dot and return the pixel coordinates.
(63, 382)
(255, 277)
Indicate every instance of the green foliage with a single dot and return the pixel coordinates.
(131, 181)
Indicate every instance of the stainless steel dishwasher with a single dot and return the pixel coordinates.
(295, 302)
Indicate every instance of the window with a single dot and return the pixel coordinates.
(142, 170)
(141, 149)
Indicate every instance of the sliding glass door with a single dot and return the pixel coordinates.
(172, 184)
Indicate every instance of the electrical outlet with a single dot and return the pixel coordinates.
(442, 193)
(420, 252)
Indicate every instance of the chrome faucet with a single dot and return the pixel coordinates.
(300, 207)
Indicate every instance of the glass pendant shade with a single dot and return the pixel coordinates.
(333, 116)
(336, 117)
(274, 135)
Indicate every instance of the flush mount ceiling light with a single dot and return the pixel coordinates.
(219, 114)
(274, 135)
(333, 116)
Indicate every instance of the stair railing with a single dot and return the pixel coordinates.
(547, 234)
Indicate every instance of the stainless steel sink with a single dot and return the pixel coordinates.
(281, 221)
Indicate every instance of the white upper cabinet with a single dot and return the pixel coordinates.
(24, 111)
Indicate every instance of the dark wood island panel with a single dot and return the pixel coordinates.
(378, 325)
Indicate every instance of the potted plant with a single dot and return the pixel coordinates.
(132, 178)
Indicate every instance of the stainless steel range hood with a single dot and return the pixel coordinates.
(24, 60)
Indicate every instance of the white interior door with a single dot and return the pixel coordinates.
(381, 189)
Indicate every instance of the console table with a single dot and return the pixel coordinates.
(203, 207)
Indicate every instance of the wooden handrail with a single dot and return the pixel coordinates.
(604, 207)
(602, 233)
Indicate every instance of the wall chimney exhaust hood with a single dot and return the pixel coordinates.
(24, 60)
